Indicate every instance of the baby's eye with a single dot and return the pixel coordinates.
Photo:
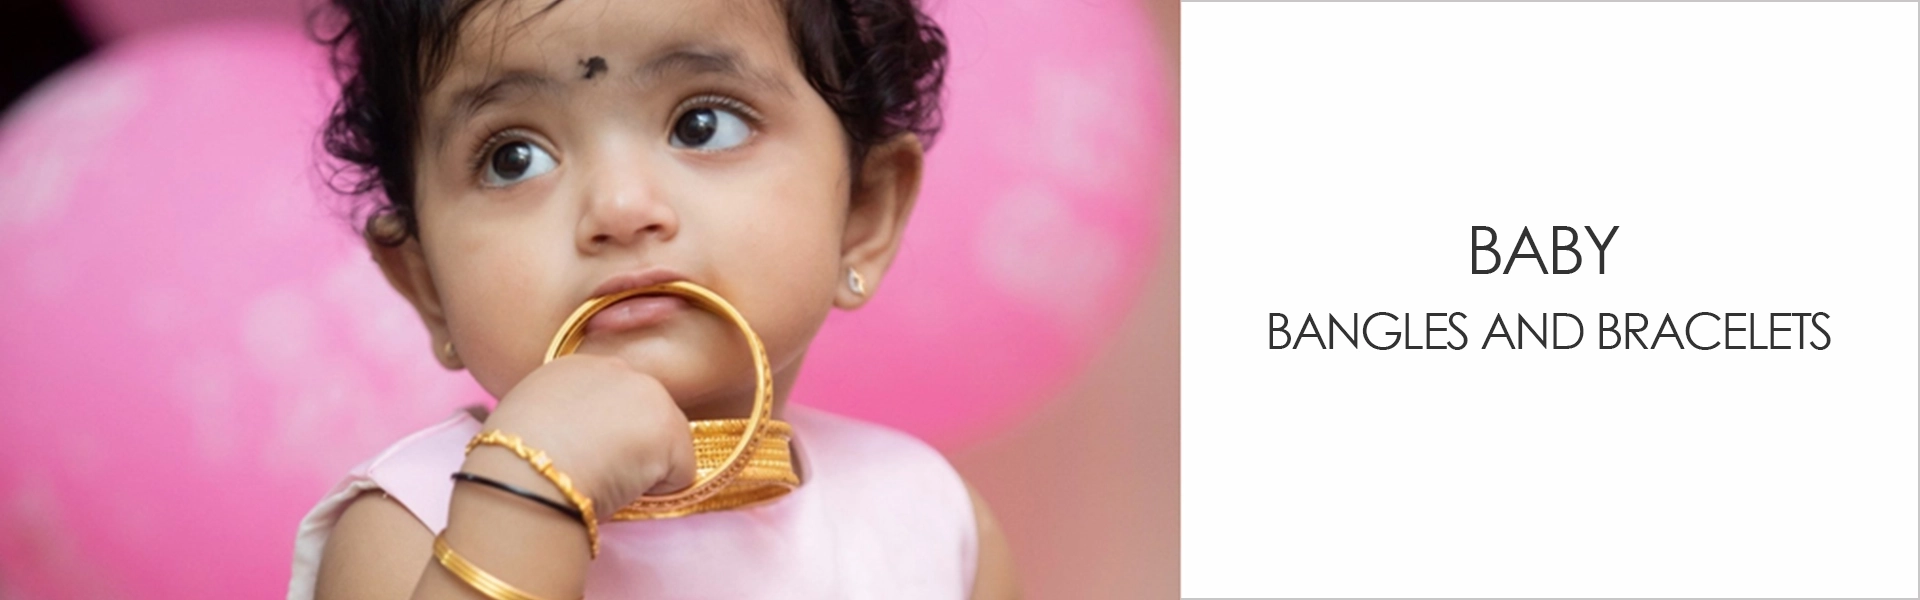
(516, 161)
(709, 129)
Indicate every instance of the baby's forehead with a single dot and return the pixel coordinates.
(533, 43)
(525, 34)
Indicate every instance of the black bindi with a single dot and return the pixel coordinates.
(594, 66)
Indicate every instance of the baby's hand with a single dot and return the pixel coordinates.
(615, 431)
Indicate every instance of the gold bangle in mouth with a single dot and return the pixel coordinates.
(741, 462)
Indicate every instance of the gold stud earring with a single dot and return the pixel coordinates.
(447, 353)
(856, 283)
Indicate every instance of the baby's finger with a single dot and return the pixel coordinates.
(681, 469)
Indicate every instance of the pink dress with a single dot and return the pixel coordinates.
(880, 515)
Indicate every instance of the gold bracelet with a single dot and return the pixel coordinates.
(544, 466)
(471, 574)
(741, 462)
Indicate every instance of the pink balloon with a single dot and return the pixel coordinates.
(194, 348)
(114, 19)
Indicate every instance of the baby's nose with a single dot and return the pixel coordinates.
(624, 208)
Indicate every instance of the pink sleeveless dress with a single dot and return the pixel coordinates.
(880, 515)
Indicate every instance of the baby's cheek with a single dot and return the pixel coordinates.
(795, 327)
(496, 353)
(789, 308)
(785, 273)
(498, 325)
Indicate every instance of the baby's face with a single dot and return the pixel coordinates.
(606, 144)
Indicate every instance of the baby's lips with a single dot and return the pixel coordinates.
(633, 313)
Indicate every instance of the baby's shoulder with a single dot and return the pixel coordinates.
(410, 473)
(414, 469)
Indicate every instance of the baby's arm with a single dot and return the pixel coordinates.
(355, 563)
(993, 577)
(582, 411)
(379, 550)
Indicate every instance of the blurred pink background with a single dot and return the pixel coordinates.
(1089, 488)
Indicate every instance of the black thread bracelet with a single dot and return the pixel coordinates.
(569, 511)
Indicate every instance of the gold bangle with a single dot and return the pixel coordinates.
(768, 476)
(544, 466)
(472, 575)
(757, 465)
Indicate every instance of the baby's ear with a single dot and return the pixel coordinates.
(883, 198)
(405, 266)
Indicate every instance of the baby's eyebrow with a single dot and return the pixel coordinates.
(679, 60)
(699, 61)
(469, 100)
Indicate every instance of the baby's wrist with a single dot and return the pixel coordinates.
(488, 460)
(500, 464)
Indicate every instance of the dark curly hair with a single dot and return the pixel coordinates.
(879, 64)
